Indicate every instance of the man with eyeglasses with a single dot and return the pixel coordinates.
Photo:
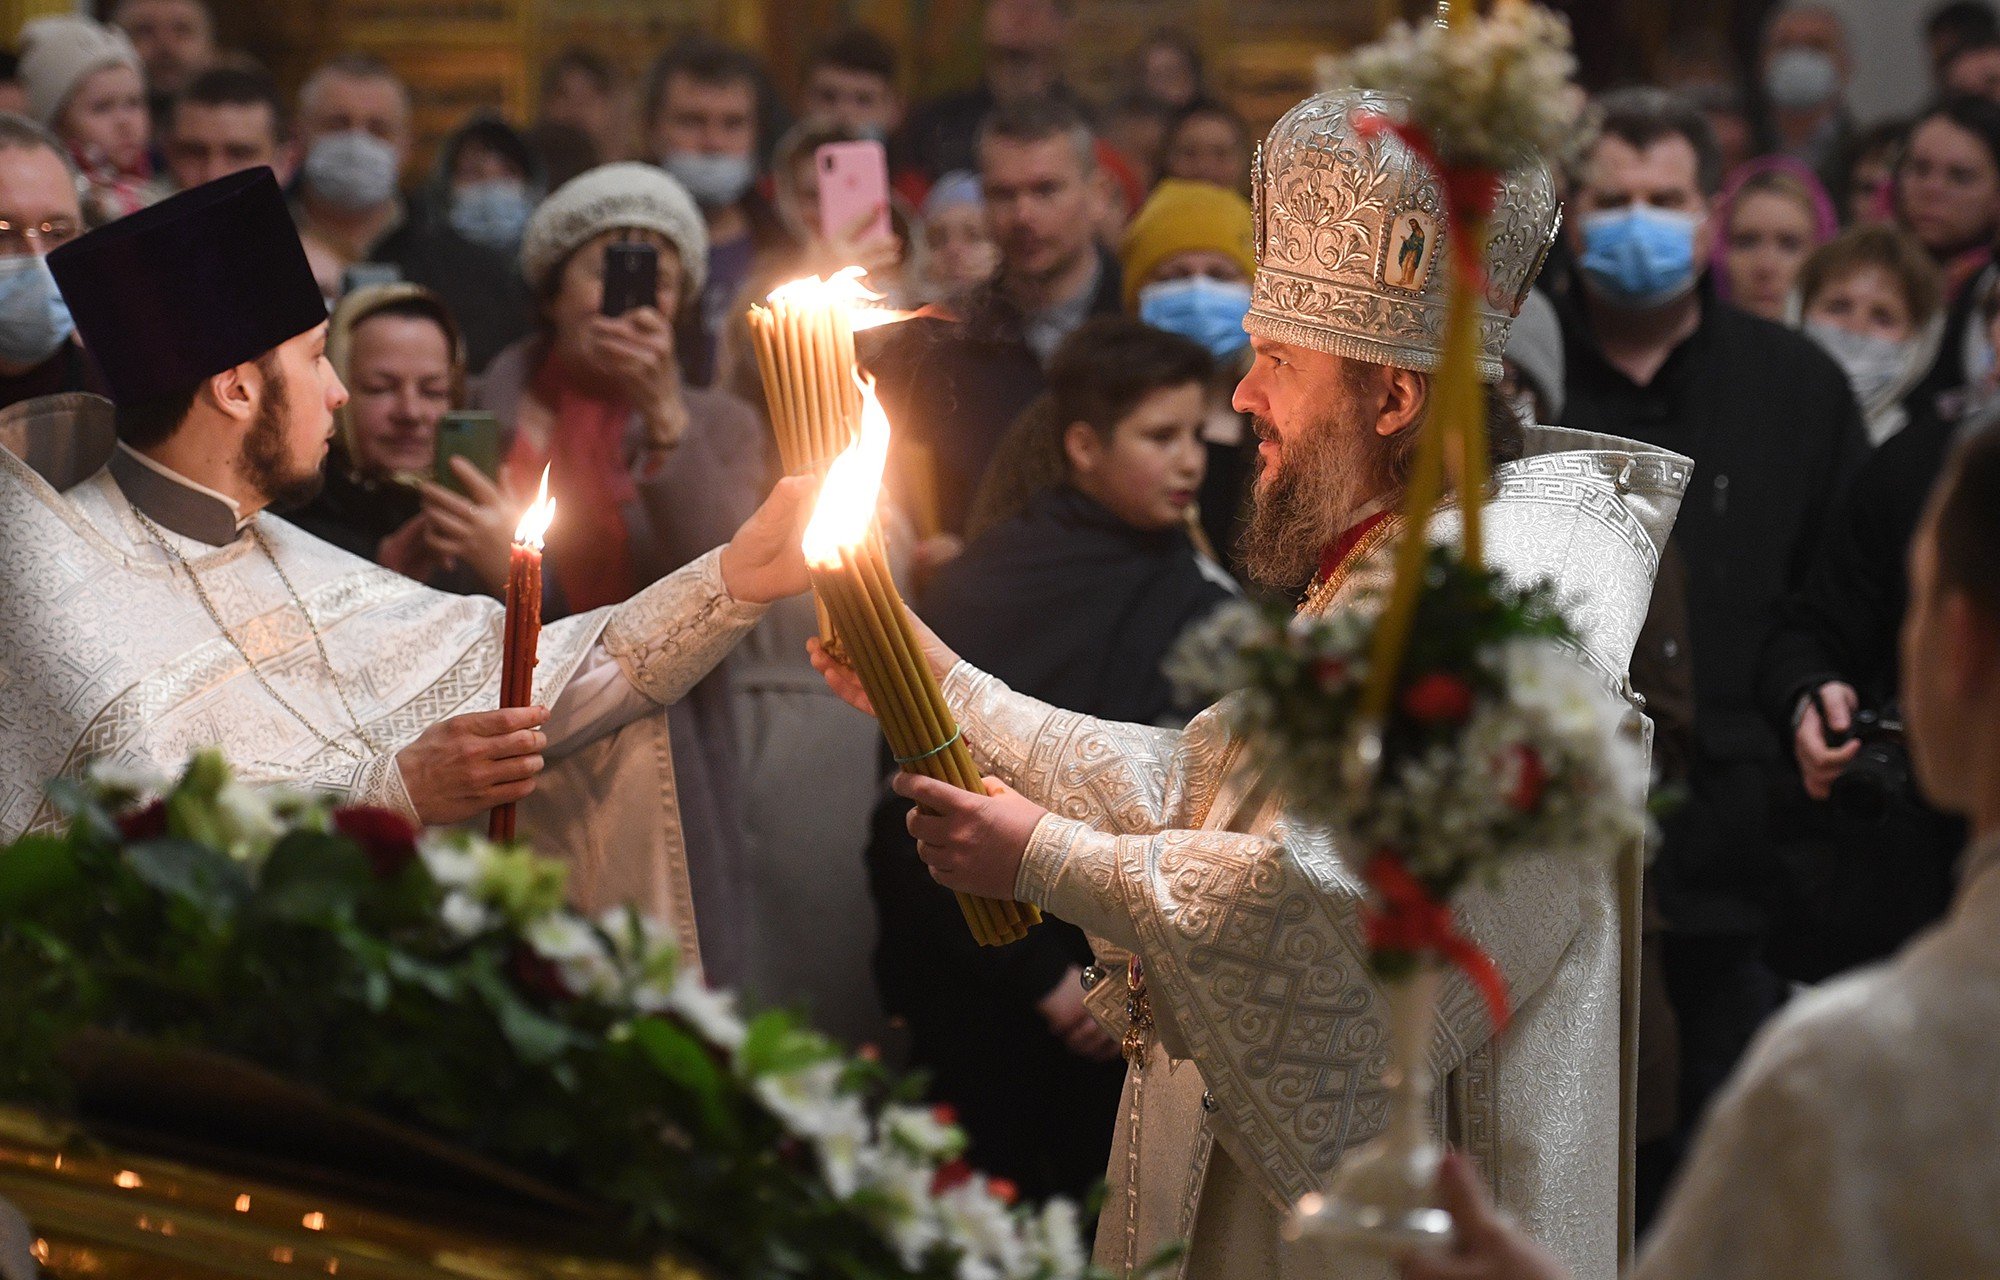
(39, 210)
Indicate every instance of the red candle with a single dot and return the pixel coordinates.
(522, 631)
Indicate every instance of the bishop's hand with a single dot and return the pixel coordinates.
(846, 682)
(972, 843)
(1485, 1245)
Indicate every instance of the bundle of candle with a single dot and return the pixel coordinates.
(804, 335)
(522, 631)
(844, 555)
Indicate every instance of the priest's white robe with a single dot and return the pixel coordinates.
(107, 653)
(1266, 1062)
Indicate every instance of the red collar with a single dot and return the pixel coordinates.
(1330, 559)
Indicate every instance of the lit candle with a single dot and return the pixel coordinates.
(844, 555)
(522, 632)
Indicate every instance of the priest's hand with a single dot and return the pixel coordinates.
(972, 843)
(846, 682)
(1485, 1245)
(461, 767)
(763, 561)
(1820, 764)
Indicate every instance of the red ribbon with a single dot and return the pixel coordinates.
(1470, 194)
(1407, 919)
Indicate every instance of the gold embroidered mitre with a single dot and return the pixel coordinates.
(1351, 232)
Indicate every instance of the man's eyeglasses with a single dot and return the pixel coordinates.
(17, 238)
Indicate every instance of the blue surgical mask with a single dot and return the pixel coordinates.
(1208, 311)
(34, 319)
(352, 170)
(715, 182)
(1639, 257)
(492, 214)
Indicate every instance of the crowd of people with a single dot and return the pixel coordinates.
(1805, 304)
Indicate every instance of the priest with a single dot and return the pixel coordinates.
(1230, 954)
(152, 605)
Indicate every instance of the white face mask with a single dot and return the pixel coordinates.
(352, 170)
(1875, 367)
(1800, 79)
(715, 182)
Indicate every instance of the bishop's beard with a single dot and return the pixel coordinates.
(267, 462)
(1328, 470)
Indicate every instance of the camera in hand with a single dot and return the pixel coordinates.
(1879, 774)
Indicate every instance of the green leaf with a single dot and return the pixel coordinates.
(778, 1045)
(193, 873)
(34, 869)
(684, 1060)
(313, 877)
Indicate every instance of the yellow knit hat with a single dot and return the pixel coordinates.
(1180, 216)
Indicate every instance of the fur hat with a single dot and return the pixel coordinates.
(57, 53)
(614, 197)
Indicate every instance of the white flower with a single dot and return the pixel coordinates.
(464, 915)
(451, 864)
(919, 1131)
(248, 821)
(708, 1010)
(1055, 1241)
(904, 1212)
(983, 1228)
(577, 952)
(806, 1099)
(842, 1144)
(127, 778)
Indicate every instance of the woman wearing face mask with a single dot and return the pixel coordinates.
(1872, 298)
(463, 236)
(1771, 214)
(1947, 187)
(397, 349)
(84, 83)
(1188, 259)
(648, 473)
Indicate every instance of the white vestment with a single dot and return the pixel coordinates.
(108, 653)
(1270, 1028)
(1861, 1136)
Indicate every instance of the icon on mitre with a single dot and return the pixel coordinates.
(1413, 243)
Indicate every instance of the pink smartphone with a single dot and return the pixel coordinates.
(853, 183)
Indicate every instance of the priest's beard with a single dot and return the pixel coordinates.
(1328, 469)
(266, 460)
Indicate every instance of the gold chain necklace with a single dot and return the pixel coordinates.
(201, 593)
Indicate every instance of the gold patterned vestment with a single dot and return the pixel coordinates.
(1269, 1042)
(106, 653)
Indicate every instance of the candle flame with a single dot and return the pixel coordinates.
(536, 519)
(853, 484)
(842, 290)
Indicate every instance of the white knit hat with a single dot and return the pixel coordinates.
(58, 52)
(614, 197)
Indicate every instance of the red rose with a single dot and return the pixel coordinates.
(535, 974)
(149, 823)
(952, 1173)
(1003, 1190)
(387, 838)
(1531, 779)
(945, 1114)
(1329, 673)
(1438, 698)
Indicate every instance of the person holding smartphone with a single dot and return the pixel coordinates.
(648, 472)
(398, 349)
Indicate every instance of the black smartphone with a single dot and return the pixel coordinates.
(472, 434)
(631, 276)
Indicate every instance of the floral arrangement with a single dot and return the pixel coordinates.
(440, 980)
(1487, 93)
(1499, 743)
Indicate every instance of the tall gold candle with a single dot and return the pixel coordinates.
(844, 556)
